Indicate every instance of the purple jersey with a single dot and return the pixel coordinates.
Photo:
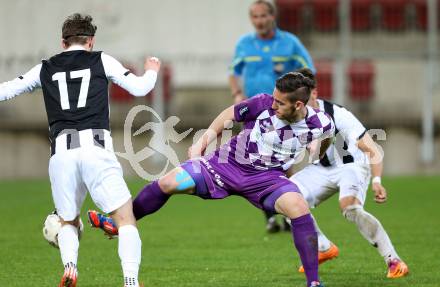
(268, 142)
(251, 164)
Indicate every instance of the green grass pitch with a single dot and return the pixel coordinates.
(197, 243)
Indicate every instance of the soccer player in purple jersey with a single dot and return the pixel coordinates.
(260, 58)
(276, 130)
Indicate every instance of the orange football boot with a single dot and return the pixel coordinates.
(397, 268)
(103, 222)
(70, 276)
(323, 256)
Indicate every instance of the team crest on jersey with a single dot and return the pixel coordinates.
(266, 125)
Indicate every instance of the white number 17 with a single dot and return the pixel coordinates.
(62, 86)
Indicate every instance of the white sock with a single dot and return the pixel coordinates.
(323, 242)
(130, 254)
(69, 244)
(372, 230)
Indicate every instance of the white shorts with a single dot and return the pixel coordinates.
(317, 183)
(74, 172)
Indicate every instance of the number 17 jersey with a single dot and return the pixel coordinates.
(75, 90)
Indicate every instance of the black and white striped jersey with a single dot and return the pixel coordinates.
(347, 133)
(75, 88)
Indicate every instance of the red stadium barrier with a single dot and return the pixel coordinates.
(361, 75)
(421, 7)
(166, 80)
(118, 94)
(324, 79)
(421, 14)
(325, 15)
(393, 14)
(167, 87)
(360, 13)
(290, 14)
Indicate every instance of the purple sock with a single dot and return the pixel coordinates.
(149, 200)
(306, 242)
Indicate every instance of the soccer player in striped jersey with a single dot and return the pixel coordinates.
(252, 164)
(347, 168)
(75, 92)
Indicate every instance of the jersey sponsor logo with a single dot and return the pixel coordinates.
(217, 178)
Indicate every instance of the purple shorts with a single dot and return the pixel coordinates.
(216, 180)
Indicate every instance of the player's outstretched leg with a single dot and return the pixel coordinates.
(152, 197)
(129, 245)
(373, 231)
(293, 205)
(149, 200)
(327, 250)
(68, 243)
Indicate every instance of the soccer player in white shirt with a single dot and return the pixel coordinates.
(75, 91)
(347, 168)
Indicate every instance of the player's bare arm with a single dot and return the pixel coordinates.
(318, 148)
(216, 127)
(325, 144)
(368, 146)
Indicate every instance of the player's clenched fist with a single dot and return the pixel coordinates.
(152, 63)
(380, 193)
(195, 151)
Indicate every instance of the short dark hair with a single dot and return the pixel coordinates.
(306, 72)
(269, 5)
(296, 85)
(77, 28)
